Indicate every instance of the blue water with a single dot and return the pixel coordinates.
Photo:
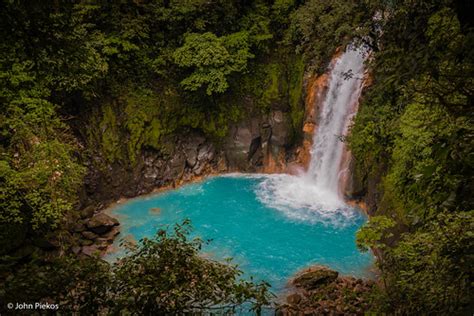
(268, 243)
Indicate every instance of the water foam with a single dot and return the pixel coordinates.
(300, 199)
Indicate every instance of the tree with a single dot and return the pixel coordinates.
(212, 59)
(428, 271)
(40, 176)
(163, 275)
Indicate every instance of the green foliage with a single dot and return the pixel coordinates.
(415, 119)
(212, 59)
(430, 271)
(317, 28)
(374, 233)
(62, 46)
(414, 131)
(163, 275)
(420, 174)
(40, 176)
(145, 118)
(175, 278)
(77, 285)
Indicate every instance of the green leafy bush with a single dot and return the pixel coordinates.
(163, 275)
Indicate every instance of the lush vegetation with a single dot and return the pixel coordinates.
(163, 275)
(80, 81)
(414, 137)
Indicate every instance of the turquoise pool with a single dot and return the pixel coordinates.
(270, 235)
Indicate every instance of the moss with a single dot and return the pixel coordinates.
(295, 93)
(141, 118)
(271, 91)
(110, 138)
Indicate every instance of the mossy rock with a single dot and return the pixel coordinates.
(315, 277)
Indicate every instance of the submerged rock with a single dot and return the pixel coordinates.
(155, 210)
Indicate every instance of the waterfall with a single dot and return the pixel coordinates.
(335, 115)
(317, 191)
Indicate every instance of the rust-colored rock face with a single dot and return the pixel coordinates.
(315, 93)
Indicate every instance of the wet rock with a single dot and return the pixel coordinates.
(129, 240)
(221, 163)
(101, 223)
(191, 149)
(199, 169)
(315, 277)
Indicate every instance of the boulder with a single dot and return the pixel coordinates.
(89, 235)
(86, 242)
(79, 227)
(101, 223)
(110, 235)
(88, 211)
(102, 243)
(315, 277)
(293, 299)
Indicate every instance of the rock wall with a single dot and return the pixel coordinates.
(256, 144)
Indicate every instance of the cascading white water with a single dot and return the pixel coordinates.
(337, 110)
(317, 189)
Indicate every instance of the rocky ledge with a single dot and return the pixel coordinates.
(94, 233)
(321, 291)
